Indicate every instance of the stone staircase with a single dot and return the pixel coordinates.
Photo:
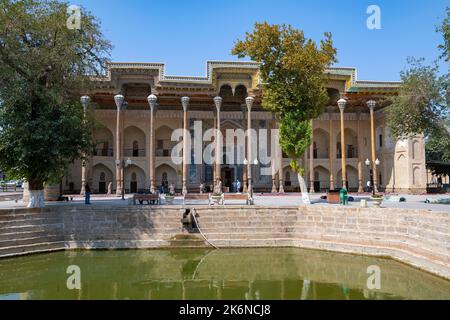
(24, 231)
(246, 226)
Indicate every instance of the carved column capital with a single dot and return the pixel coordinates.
(185, 103)
(249, 102)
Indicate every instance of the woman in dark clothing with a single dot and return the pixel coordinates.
(87, 194)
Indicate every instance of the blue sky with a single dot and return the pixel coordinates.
(184, 34)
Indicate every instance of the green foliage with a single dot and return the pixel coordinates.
(292, 70)
(438, 152)
(444, 28)
(422, 103)
(43, 65)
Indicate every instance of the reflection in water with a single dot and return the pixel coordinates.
(270, 273)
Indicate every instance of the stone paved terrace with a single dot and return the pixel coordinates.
(291, 199)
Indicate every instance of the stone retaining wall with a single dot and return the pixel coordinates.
(417, 237)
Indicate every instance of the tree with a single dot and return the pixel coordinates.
(444, 28)
(421, 105)
(43, 65)
(292, 70)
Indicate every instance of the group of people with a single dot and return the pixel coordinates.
(236, 187)
(166, 188)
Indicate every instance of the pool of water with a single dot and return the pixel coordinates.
(275, 273)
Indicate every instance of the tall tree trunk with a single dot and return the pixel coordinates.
(303, 188)
(36, 188)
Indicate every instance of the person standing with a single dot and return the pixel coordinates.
(172, 189)
(87, 194)
(238, 186)
(109, 189)
(219, 187)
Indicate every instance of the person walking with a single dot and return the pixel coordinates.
(369, 186)
(109, 189)
(87, 194)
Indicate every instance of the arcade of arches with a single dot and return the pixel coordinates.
(142, 133)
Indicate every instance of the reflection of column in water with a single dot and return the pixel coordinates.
(305, 289)
(248, 294)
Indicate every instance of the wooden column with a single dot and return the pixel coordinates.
(360, 171)
(371, 104)
(249, 101)
(119, 100)
(342, 104)
(331, 153)
(152, 99)
(122, 145)
(244, 169)
(185, 104)
(85, 100)
(274, 156)
(218, 143)
(215, 179)
(311, 160)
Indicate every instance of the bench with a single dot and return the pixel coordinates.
(150, 198)
(197, 196)
(237, 196)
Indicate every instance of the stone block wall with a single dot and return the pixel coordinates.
(417, 237)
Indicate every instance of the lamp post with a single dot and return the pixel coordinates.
(122, 164)
(372, 180)
(85, 101)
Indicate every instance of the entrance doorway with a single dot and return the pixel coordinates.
(227, 176)
(133, 183)
(102, 183)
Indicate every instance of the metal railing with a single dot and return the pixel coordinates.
(350, 152)
(163, 152)
(104, 152)
(134, 152)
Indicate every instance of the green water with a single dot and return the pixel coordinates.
(276, 273)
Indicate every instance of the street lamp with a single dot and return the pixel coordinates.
(85, 100)
(121, 164)
(371, 104)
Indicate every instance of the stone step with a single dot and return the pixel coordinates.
(187, 240)
(26, 234)
(253, 224)
(242, 235)
(250, 230)
(251, 218)
(21, 216)
(125, 236)
(31, 240)
(32, 248)
(31, 228)
(31, 221)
